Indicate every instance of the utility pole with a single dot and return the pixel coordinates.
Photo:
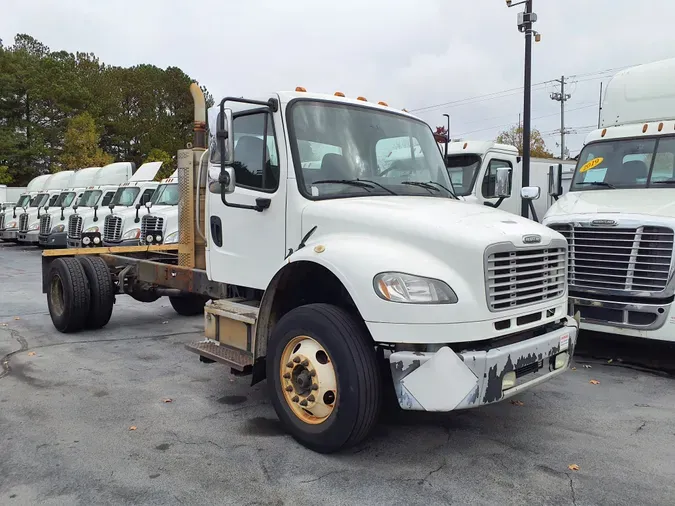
(447, 137)
(561, 97)
(600, 105)
(525, 21)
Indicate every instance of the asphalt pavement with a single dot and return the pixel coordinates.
(126, 415)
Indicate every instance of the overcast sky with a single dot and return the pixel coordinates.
(437, 52)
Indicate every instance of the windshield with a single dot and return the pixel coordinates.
(24, 200)
(462, 170)
(349, 151)
(65, 199)
(90, 198)
(39, 200)
(626, 163)
(125, 196)
(166, 195)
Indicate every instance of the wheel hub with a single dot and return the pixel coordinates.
(308, 380)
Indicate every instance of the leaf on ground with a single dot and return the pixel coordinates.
(573, 467)
(594, 382)
(586, 366)
(17, 318)
(31, 353)
(167, 400)
(610, 361)
(518, 403)
(133, 427)
(165, 322)
(3, 324)
(574, 368)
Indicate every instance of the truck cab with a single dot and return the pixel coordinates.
(473, 166)
(160, 223)
(619, 214)
(9, 217)
(29, 222)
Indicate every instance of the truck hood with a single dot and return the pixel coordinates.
(645, 201)
(444, 222)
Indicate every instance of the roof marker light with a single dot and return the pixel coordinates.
(465, 145)
(300, 88)
(339, 94)
(362, 99)
(604, 131)
(660, 126)
(383, 103)
(644, 128)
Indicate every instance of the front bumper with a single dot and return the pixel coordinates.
(10, 234)
(30, 237)
(54, 240)
(445, 380)
(124, 242)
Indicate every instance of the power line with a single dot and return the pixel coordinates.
(561, 97)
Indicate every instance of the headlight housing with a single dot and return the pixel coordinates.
(34, 226)
(410, 289)
(134, 233)
(172, 238)
(12, 224)
(92, 230)
(58, 229)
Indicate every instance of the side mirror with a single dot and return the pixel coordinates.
(530, 193)
(503, 183)
(46, 208)
(76, 206)
(138, 206)
(227, 180)
(148, 205)
(213, 176)
(95, 207)
(225, 136)
(111, 207)
(555, 181)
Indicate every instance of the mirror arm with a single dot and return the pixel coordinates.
(496, 204)
(260, 204)
(534, 213)
(62, 216)
(137, 219)
(95, 216)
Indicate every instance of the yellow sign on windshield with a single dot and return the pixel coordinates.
(592, 164)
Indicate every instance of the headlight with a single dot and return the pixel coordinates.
(92, 229)
(34, 226)
(172, 238)
(58, 229)
(399, 287)
(134, 233)
(12, 224)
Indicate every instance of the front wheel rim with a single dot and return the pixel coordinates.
(308, 380)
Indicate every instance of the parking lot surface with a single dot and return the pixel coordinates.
(86, 419)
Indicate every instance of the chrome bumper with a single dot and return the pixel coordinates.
(620, 314)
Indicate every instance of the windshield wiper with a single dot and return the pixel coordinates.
(444, 187)
(378, 184)
(428, 186)
(353, 182)
(597, 183)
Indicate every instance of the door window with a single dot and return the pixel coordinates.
(490, 178)
(147, 195)
(253, 139)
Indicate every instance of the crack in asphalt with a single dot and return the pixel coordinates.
(640, 427)
(4, 361)
(323, 476)
(574, 496)
(194, 442)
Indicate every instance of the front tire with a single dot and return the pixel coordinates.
(188, 305)
(102, 291)
(68, 295)
(324, 379)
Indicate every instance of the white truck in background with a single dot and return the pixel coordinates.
(9, 214)
(11, 194)
(160, 224)
(90, 184)
(619, 214)
(473, 166)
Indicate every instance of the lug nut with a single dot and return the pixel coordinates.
(289, 388)
(310, 398)
(296, 360)
(305, 363)
(295, 399)
(287, 375)
(303, 402)
(290, 364)
(312, 373)
(314, 386)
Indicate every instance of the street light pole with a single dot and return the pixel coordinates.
(525, 21)
(447, 136)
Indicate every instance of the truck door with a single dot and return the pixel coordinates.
(485, 186)
(246, 247)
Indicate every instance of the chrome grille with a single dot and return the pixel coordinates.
(151, 225)
(75, 226)
(23, 222)
(112, 228)
(628, 259)
(45, 224)
(520, 277)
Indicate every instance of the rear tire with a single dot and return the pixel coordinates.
(188, 305)
(101, 289)
(338, 351)
(68, 294)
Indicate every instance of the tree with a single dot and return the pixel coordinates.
(5, 176)
(168, 163)
(80, 145)
(514, 136)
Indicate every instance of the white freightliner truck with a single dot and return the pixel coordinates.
(91, 187)
(11, 194)
(87, 215)
(29, 221)
(160, 224)
(9, 217)
(619, 214)
(315, 278)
